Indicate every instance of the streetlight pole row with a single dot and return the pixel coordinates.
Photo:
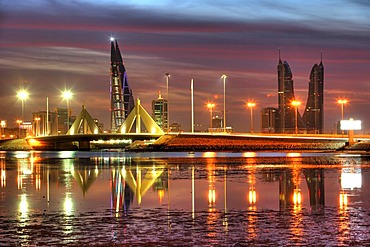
(224, 80)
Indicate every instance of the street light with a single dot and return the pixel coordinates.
(22, 95)
(342, 102)
(250, 105)
(168, 107)
(210, 107)
(296, 103)
(67, 95)
(224, 80)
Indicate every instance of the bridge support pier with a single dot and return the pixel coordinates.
(84, 145)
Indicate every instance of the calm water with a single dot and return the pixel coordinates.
(223, 199)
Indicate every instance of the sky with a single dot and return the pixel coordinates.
(49, 46)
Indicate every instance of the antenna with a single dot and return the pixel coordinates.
(279, 55)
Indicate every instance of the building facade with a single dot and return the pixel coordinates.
(268, 118)
(160, 112)
(122, 101)
(285, 121)
(43, 126)
(313, 116)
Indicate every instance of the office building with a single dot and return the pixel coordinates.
(285, 122)
(122, 101)
(160, 112)
(313, 116)
(268, 118)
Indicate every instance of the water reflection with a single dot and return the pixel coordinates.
(226, 195)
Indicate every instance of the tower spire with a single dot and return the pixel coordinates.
(279, 56)
(321, 58)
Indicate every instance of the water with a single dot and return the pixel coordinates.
(191, 199)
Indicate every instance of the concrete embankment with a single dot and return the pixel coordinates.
(15, 145)
(238, 143)
(227, 143)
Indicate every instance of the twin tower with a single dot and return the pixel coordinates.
(280, 120)
(312, 120)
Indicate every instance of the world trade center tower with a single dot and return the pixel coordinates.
(313, 116)
(285, 115)
(122, 101)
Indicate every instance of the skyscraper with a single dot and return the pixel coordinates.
(285, 115)
(313, 116)
(160, 112)
(122, 100)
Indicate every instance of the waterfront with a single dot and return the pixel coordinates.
(201, 198)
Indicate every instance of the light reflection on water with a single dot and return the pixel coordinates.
(183, 198)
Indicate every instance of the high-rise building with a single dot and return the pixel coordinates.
(268, 117)
(41, 127)
(285, 115)
(313, 116)
(122, 100)
(160, 112)
(62, 121)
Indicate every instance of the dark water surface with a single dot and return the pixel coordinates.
(177, 199)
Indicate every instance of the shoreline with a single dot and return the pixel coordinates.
(217, 143)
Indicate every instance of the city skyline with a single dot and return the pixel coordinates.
(69, 48)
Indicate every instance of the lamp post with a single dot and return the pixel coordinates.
(192, 104)
(210, 107)
(223, 77)
(168, 105)
(296, 103)
(22, 95)
(250, 106)
(67, 95)
(342, 102)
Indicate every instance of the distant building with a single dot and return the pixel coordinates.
(160, 112)
(62, 121)
(285, 114)
(217, 122)
(217, 125)
(175, 127)
(312, 120)
(268, 118)
(41, 127)
(313, 116)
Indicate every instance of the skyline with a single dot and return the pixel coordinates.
(61, 45)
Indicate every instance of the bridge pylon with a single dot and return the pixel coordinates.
(84, 124)
(138, 115)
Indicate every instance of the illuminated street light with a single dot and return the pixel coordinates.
(250, 105)
(296, 103)
(67, 95)
(168, 107)
(342, 102)
(22, 95)
(210, 106)
(224, 80)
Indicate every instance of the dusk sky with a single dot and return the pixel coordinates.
(52, 45)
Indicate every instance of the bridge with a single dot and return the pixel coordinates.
(85, 134)
(85, 142)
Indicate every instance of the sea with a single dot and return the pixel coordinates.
(117, 198)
